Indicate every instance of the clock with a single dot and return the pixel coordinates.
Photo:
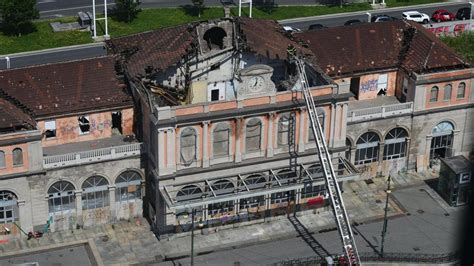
(256, 84)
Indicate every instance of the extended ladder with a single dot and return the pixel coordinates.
(343, 224)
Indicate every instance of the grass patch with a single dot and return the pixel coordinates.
(395, 3)
(42, 38)
(287, 12)
(463, 45)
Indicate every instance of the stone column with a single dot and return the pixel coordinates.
(113, 211)
(78, 195)
(333, 125)
(205, 141)
(407, 153)
(25, 216)
(457, 142)
(238, 139)
(424, 164)
(161, 151)
(170, 152)
(353, 154)
(303, 128)
(345, 107)
(271, 118)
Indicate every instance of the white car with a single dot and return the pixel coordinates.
(416, 16)
(291, 29)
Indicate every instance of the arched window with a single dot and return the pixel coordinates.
(61, 197)
(447, 92)
(442, 140)
(188, 146)
(95, 193)
(434, 94)
(17, 157)
(283, 136)
(221, 187)
(316, 171)
(253, 135)
(128, 186)
(395, 144)
(322, 122)
(221, 136)
(8, 207)
(255, 181)
(286, 175)
(191, 192)
(461, 90)
(367, 148)
(2, 159)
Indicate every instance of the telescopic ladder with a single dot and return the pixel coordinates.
(343, 224)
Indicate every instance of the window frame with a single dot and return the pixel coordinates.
(447, 87)
(95, 195)
(258, 124)
(463, 95)
(3, 159)
(50, 126)
(124, 182)
(221, 127)
(17, 164)
(85, 124)
(395, 140)
(363, 146)
(61, 193)
(182, 147)
(434, 89)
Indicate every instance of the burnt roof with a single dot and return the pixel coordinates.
(13, 118)
(267, 38)
(61, 88)
(158, 49)
(344, 50)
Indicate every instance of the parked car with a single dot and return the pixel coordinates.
(381, 18)
(353, 22)
(416, 16)
(443, 15)
(464, 13)
(290, 29)
(316, 27)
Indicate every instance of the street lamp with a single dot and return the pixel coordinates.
(200, 225)
(384, 230)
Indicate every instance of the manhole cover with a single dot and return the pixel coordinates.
(369, 181)
(420, 211)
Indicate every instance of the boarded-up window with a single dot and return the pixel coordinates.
(284, 130)
(221, 140)
(434, 94)
(188, 146)
(322, 121)
(2, 159)
(461, 90)
(17, 157)
(447, 92)
(253, 135)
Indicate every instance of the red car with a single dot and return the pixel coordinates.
(443, 15)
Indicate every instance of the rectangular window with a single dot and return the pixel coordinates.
(214, 95)
(50, 129)
(382, 83)
(84, 125)
(465, 178)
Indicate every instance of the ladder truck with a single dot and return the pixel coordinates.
(342, 220)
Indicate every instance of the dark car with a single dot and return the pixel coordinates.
(381, 18)
(464, 13)
(353, 22)
(316, 27)
(442, 15)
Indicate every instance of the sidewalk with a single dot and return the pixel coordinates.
(364, 201)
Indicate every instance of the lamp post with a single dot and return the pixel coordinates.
(470, 16)
(200, 225)
(384, 230)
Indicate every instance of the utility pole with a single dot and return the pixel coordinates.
(193, 212)
(384, 230)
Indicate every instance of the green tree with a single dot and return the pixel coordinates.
(126, 10)
(463, 44)
(17, 16)
(198, 4)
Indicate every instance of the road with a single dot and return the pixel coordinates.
(59, 8)
(54, 55)
(332, 21)
(425, 230)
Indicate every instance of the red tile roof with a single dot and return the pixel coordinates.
(158, 49)
(267, 38)
(57, 89)
(344, 50)
(14, 118)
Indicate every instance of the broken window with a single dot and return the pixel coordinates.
(367, 148)
(442, 141)
(382, 84)
(84, 125)
(221, 140)
(117, 122)
(461, 90)
(447, 92)
(322, 121)
(283, 136)
(395, 144)
(50, 129)
(215, 95)
(95, 193)
(215, 38)
(8, 207)
(253, 135)
(434, 94)
(61, 197)
(188, 146)
(2, 159)
(17, 157)
(128, 186)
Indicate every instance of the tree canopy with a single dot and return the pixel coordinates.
(126, 10)
(17, 16)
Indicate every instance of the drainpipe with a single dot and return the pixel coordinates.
(8, 61)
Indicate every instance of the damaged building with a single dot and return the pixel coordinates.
(226, 128)
(68, 158)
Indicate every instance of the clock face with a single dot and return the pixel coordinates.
(256, 84)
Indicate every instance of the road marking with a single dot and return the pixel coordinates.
(74, 8)
(45, 1)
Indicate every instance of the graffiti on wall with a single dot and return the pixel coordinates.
(369, 85)
(449, 28)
